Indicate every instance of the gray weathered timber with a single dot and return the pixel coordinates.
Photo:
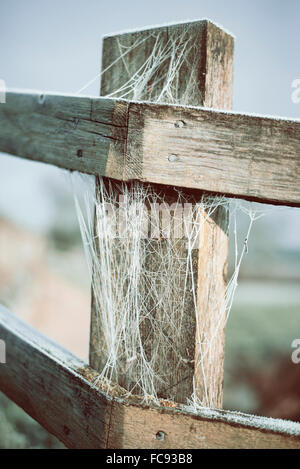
(76, 133)
(245, 156)
(204, 78)
(52, 386)
(59, 391)
(207, 63)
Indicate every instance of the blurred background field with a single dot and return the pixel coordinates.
(43, 274)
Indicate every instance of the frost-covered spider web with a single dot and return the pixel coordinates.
(142, 257)
(143, 251)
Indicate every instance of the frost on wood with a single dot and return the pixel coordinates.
(287, 427)
(168, 24)
(169, 74)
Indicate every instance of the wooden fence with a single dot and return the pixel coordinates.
(192, 147)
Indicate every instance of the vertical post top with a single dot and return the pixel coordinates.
(189, 63)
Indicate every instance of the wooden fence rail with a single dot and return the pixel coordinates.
(61, 392)
(245, 156)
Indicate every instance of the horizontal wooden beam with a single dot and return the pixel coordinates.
(245, 156)
(67, 397)
(52, 386)
(76, 133)
(251, 157)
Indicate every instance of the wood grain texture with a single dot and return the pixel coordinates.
(52, 386)
(210, 61)
(204, 78)
(211, 277)
(138, 46)
(212, 252)
(59, 391)
(184, 431)
(239, 155)
(76, 133)
(246, 156)
(218, 69)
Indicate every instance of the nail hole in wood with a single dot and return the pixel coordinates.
(173, 158)
(179, 124)
(160, 435)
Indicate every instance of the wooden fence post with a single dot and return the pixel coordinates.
(208, 65)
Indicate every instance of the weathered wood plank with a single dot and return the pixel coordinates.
(60, 392)
(246, 156)
(185, 431)
(76, 133)
(52, 386)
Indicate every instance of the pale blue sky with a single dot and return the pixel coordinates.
(55, 44)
